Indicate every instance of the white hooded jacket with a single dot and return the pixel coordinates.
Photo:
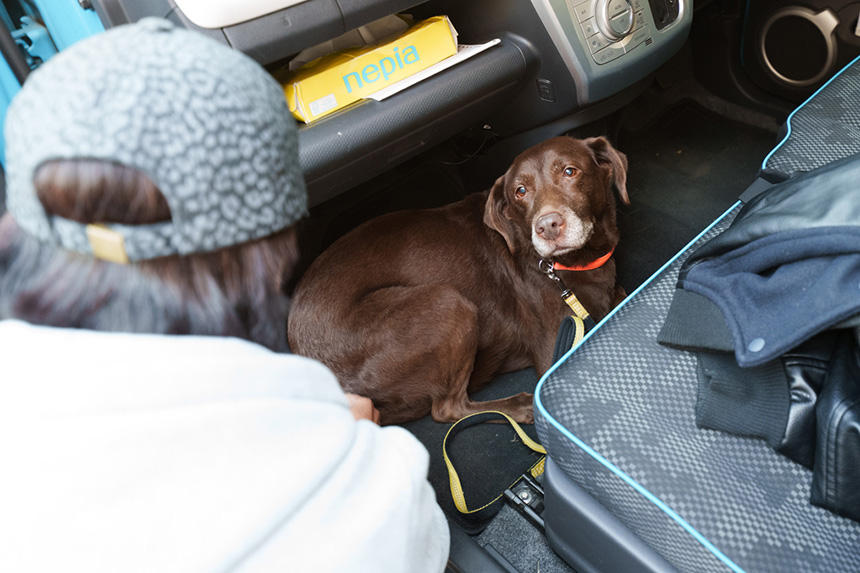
(124, 452)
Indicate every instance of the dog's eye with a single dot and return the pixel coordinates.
(520, 192)
(570, 171)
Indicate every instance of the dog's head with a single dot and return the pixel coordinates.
(557, 197)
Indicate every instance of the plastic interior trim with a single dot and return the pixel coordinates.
(9, 86)
(68, 22)
(594, 454)
(214, 14)
(744, 34)
(791, 115)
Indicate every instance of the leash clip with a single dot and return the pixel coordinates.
(567, 295)
(546, 267)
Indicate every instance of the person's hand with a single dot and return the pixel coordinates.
(362, 408)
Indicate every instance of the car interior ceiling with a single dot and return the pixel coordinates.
(695, 132)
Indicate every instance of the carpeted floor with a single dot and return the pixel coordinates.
(684, 171)
(512, 540)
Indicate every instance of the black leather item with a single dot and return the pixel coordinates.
(805, 370)
(836, 475)
(801, 232)
(827, 197)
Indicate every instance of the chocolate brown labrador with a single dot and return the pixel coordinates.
(416, 309)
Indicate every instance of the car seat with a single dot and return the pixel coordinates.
(631, 483)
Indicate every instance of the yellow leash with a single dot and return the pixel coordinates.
(454, 479)
(580, 330)
(576, 306)
(580, 316)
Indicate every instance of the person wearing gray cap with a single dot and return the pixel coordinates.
(148, 417)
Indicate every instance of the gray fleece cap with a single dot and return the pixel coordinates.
(207, 124)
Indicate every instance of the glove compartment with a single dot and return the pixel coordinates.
(370, 137)
(267, 37)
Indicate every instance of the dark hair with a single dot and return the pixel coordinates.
(235, 291)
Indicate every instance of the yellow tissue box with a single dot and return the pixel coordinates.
(333, 82)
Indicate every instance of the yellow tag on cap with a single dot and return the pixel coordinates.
(107, 244)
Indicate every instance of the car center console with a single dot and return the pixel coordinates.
(608, 45)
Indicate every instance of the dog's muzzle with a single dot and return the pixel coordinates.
(559, 231)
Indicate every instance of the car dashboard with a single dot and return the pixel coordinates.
(556, 60)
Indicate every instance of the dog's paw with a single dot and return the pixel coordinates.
(521, 408)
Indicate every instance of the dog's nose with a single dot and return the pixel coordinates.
(549, 226)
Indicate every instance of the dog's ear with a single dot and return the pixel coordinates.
(612, 160)
(496, 213)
